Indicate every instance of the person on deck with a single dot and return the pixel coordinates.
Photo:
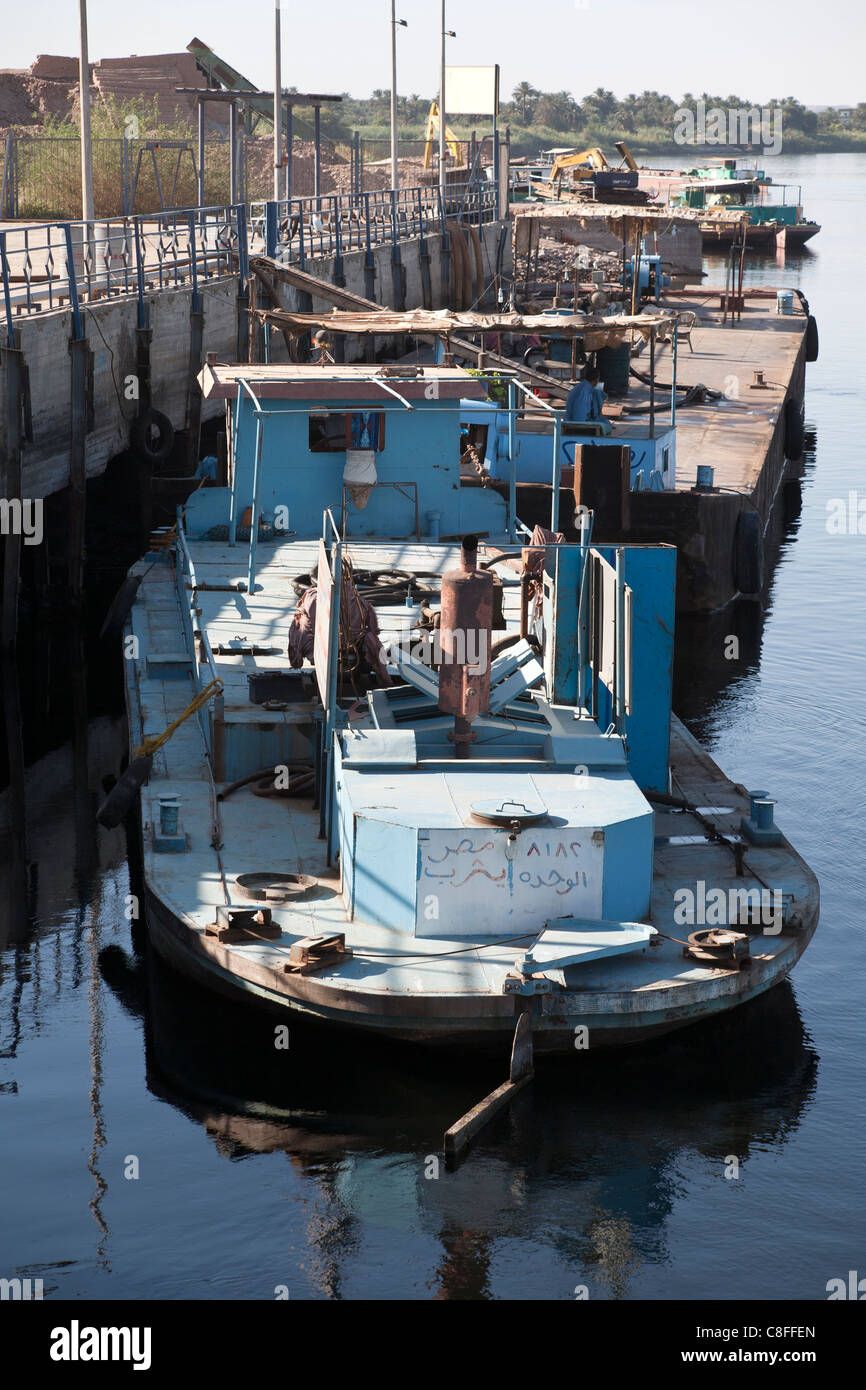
(585, 400)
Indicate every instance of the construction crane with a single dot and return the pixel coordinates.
(432, 133)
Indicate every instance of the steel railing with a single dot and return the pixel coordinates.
(53, 265)
(300, 229)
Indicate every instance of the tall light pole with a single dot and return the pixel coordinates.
(395, 168)
(84, 100)
(446, 34)
(278, 107)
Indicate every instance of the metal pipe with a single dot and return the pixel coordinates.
(278, 102)
(674, 375)
(200, 180)
(395, 167)
(652, 403)
(317, 136)
(290, 141)
(557, 449)
(254, 520)
(442, 179)
(582, 609)
(333, 676)
(512, 464)
(619, 662)
(233, 152)
(233, 505)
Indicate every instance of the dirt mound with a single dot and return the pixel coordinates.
(16, 107)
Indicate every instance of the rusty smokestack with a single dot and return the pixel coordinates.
(465, 634)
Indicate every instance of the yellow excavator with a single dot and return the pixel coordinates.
(432, 133)
(592, 167)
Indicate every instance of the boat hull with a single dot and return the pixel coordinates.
(562, 1023)
(759, 235)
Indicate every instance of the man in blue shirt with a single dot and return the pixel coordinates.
(585, 399)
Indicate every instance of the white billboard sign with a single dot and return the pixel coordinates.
(472, 91)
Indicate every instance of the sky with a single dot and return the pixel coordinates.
(811, 51)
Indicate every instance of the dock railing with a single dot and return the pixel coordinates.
(57, 265)
(299, 229)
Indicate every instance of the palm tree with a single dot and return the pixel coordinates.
(524, 92)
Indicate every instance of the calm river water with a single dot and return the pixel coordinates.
(309, 1169)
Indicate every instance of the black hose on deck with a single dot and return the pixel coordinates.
(667, 385)
(696, 396)
(257, 776)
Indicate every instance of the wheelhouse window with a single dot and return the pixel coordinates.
(357, 429)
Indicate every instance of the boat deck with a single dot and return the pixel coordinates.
(732, 435)
(243, 834)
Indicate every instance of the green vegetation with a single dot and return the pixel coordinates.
(536, 120)
(540, 119)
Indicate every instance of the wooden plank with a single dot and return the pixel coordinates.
(458, 1138)
(460, 1135)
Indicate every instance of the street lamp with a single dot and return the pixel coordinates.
(84, 99)
(446, 34)
(278, 106)
(395, 169)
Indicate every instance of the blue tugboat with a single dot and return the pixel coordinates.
(407, 767)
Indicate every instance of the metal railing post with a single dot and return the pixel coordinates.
(302, 257)
(7, 298)
(73, 284)
(243, 244)
(271, 230)
(193, 262)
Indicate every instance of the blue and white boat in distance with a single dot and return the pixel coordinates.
(433, 781)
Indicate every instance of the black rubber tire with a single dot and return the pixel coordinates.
(812, 339)
(153, 450)
(793, 429)
(749, 553)
(120, 605)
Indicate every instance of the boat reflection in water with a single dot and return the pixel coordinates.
(586, 1164)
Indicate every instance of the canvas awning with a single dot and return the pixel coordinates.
(595, 329)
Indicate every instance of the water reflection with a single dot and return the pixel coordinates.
(587, 1162)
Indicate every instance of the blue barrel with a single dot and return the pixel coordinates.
(785, 302)
(704, 480)
(613, 365)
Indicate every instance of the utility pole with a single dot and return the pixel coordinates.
(84, 99)
(442, 107)
(278, 107)
(395, 167)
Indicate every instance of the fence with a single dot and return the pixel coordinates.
(297, 229)
(41, 175)
(55, 264)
